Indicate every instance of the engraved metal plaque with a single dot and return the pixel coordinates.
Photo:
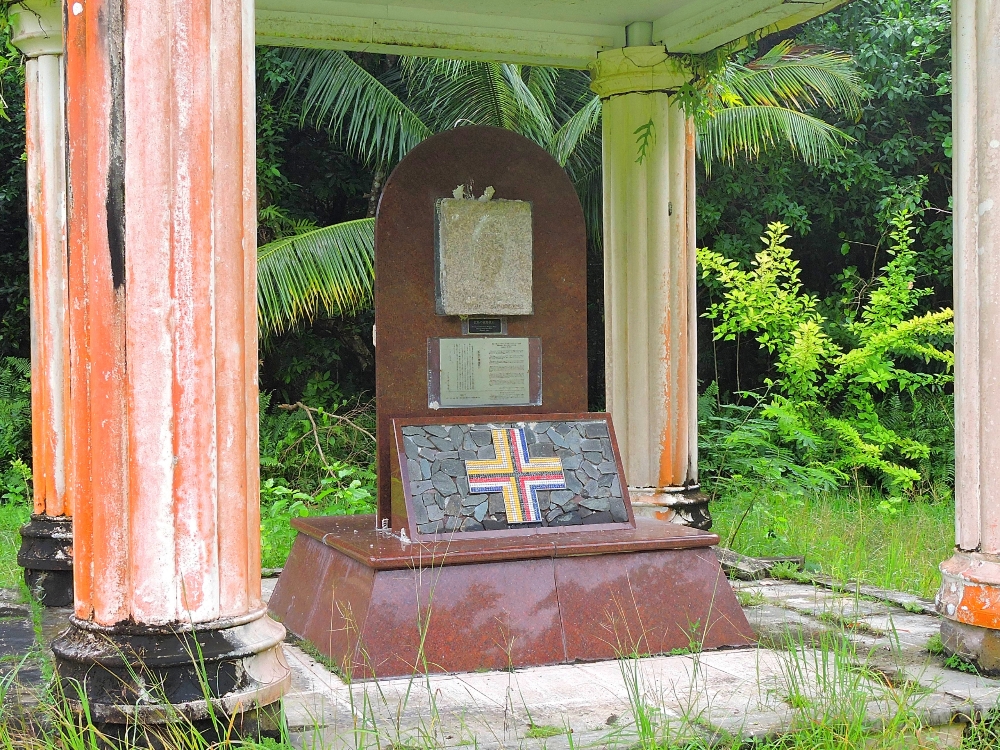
(488, 371)
(484, 326)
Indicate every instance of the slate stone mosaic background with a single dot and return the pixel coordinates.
(435, 464)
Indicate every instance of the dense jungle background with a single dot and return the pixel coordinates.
(825, 293)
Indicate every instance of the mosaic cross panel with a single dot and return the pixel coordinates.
(516, 474)
(501, 475)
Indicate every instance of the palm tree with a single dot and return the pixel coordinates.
(742, 109)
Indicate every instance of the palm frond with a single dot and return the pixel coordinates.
(798, 78)
(534, 118)
(542, 82)
(341, 96)
(749, 131)
(450, 93)
(572, 92)
(590, 190)
(329, 269)
(582, 124)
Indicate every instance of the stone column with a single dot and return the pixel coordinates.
(649, 277)
(969, 598)
(162, 299)
(46, 552)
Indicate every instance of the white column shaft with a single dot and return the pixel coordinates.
(976, 50)
(649, 289)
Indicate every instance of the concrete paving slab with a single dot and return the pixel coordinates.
(911, 630)
(754, 693)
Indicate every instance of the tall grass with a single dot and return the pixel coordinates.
(12, 517)
(850, 536)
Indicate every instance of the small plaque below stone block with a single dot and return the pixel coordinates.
(508, 475)
(484, 371)
(484, 257)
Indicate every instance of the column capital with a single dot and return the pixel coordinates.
(37, 27)
(637, 69)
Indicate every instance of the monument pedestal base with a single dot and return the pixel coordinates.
(377, 606)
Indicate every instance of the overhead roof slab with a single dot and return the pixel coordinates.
(562, 33)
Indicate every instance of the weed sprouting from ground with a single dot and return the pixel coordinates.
(961, 664)
(543, 731)
(750, 597)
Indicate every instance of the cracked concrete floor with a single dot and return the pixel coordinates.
(819, 645)
(823, 646)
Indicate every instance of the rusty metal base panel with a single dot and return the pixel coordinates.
(152, 674)
(46, 554)
(367, 600)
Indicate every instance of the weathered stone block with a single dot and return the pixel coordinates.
(484, 257)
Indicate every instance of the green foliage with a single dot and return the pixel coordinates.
(15, 457)
(13, 515)
(14, 331)
(738, 446)
(15, 432)
(745, 106)
(961, 664)
(17, 484)
(901, 49)
(346, 490)
(544, 731)
(645, 138)
(342, 97)
(329, 270)
(315, 460)
(298, 443)
(15, 410)
(824, 399)
(842, 533)
(304, 178)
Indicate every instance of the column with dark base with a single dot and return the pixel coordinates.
(162, 299)
(46, 552)
(970, 586)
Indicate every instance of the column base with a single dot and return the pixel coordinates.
(157, 674)
(968, 600)
(686, 506)
(46, 555)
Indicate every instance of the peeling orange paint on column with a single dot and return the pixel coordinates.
(79, 448)
(163, 300)
(649, 271)
(45, 147)
(679, 394)
(250, 355)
